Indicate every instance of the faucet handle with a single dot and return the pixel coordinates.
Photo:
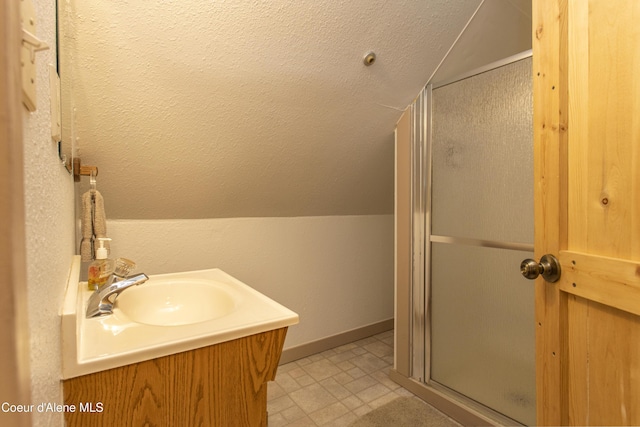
(101, 301)
(123, 267)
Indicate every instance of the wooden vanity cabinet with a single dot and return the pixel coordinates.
(220, 385)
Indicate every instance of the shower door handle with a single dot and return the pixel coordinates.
(548, 267)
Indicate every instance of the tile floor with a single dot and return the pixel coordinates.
(335, 387)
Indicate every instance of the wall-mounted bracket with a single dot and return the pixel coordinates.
(79, 170)
(30, 45)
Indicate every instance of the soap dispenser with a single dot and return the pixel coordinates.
(101, 268)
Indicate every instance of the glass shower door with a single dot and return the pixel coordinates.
(482, 312)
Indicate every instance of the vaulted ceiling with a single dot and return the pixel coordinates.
(208, 109)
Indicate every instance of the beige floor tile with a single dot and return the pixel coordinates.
(280, 404)
(382, 376)
(352, 402)
(360, 384)
(305, 380)
(343, 378)
(274, 390)
(356, 372)
(335, 387)
(302, 422)
(343, 421)
(383, 400)
(312, 398)
(345, 365)
(276, 420)
(329, 413)
(287, 367)
(287, 383)
(302, 362)
(316, 357)
(372, 393)
(369, 362)
(321, 369)
(341, 357)
(296, 372)
(293, 413)
(361, 410)
(379, 349)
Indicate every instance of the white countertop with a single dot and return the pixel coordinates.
(100, 343)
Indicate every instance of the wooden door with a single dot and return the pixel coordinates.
(587, 207)
(15, 375)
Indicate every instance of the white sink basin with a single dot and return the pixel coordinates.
(174, 302)
(168, 314)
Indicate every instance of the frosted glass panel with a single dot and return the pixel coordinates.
(482, 147)
(483, 327)
(482, 309)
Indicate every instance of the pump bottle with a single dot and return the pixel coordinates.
(101, 268)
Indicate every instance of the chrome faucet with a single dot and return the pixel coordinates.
(101, 301)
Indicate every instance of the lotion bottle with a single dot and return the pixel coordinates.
(101, 268)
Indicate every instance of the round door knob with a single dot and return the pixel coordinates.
(548, 267)
(530, 269)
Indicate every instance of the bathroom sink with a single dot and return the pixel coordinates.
(168, 314)
(175, 301)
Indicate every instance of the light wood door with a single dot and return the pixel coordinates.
(587, 207)
(15, 374)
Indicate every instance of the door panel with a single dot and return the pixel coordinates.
(482, 334)
(482, 170)
(587, 210)
(481, 309)
(607, 382)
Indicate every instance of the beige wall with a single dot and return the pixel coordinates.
(336, 272)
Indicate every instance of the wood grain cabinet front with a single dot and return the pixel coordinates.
(221, 385)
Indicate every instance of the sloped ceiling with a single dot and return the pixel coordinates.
(499, 29)
(205, 109)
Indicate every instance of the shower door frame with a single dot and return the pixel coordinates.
(417, 347)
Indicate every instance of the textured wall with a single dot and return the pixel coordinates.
(49, 230)
(211, 109)
(335, 272)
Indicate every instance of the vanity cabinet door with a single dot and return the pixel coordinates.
(220, 385)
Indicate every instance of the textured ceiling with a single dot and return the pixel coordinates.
(250, 108)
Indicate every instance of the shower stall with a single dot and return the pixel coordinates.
(464, 221)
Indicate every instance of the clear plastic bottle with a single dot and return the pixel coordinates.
(101, 268)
